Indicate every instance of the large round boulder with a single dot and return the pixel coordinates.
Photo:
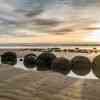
(44, 61)
(30, 61)
(9, 58)
(61, 65)
(96, 66)
(81, 65)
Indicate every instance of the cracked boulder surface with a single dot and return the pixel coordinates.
(18, 84)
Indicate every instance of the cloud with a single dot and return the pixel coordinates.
(63, 30)
(47, 16)
(34, 13)
(47, 22)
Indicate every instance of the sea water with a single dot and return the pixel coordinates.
(68, 55)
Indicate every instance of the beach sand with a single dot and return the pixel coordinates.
(18, 84)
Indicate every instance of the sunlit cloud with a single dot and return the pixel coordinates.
(50, 17)
(94, 36)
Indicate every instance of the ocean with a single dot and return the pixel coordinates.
(68, 55)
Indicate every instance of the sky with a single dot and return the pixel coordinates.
(49, 21)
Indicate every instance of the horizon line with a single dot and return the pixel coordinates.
(52, 44)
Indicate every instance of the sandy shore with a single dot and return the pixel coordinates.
(17, 84)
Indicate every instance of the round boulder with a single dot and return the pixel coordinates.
(30, 61)
(96, 66)
(81, 65)
(61, 65)
(44, 61)
(9, 58)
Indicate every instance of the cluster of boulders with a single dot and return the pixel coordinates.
(80, 65)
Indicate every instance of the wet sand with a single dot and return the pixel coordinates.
(18, 84)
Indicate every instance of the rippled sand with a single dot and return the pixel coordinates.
(18, 84)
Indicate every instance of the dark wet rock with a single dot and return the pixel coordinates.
(44, 61)
(9, 58)
(96, 66)
(81, 65)
(30, 61)
(61, 65)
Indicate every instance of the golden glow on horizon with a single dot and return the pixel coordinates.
(56, 39)
(78, 36)
(93, 36)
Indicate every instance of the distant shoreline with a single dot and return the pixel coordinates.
(48, 44)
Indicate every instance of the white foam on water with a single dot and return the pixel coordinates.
(71, 74)
(68, 55)
(88, 76)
